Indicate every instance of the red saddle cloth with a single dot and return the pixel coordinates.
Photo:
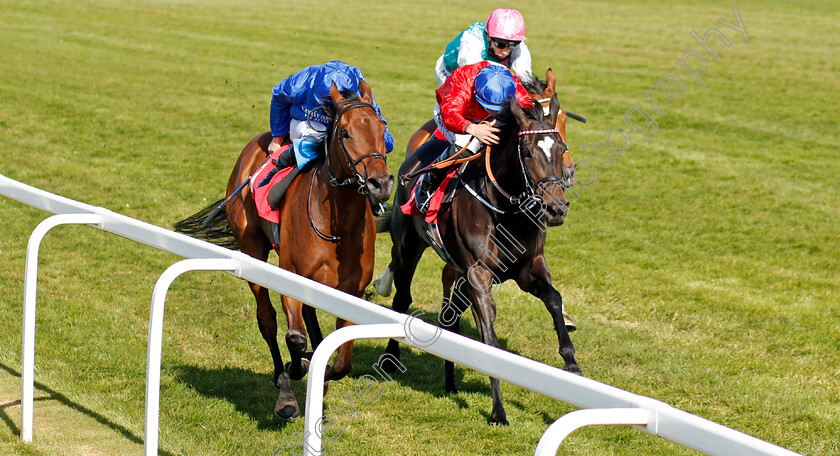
(261, 193)
(435, 202)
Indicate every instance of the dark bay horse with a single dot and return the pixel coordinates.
(327, 229)
(541, 92)
(493, 231)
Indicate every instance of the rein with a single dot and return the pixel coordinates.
(320, 233)
(445, 163)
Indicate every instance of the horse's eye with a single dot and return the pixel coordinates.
(526, 152)
(344, 134)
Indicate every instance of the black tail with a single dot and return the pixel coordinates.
(209, 224)
(383, 222)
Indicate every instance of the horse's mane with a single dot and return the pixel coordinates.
(506, 121)
(533, 84)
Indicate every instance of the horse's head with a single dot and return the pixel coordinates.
(357, 143)
(541, 150)
(542, 91)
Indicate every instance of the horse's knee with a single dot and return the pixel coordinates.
(296, 341)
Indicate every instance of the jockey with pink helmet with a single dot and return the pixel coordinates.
(501, 39)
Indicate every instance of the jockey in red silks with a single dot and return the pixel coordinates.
(501, 39)
(468, 96)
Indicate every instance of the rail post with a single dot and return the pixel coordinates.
(30, 291)
(153, 354)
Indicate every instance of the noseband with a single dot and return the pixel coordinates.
(356, 178)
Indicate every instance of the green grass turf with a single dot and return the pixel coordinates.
(701, 266)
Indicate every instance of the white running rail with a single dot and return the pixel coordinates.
(665, 421)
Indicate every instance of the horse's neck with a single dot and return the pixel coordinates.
(504, 163)
(344, 202)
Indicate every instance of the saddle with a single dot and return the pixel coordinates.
(268, 185)
(453, 165)
(443, 194)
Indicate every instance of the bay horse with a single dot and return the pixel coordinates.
(494, 230)
(326, 231)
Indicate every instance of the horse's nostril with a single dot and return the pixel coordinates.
(374, 184)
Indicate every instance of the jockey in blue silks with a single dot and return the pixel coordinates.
(294, 109)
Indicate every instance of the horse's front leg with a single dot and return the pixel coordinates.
(450, 318)
(295, 338)
(344, 359)
(312, 326)
(478, 286)
(405, 254)
(287, 405)
(537, 281)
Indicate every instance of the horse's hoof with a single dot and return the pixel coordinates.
(573, 370)
(287, 412)
(304, 363)
(387, 364)
(501, 421)
(384, 283)
(570, 325)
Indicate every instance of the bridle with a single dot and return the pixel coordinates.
(529, 197)
(356, 178)
(334, 181)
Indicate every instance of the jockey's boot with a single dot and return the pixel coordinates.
(429, 183)
(285, 160)
(275, 195)
(432, 179)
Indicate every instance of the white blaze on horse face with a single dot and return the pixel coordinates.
(545, 144)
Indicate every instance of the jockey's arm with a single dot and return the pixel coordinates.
(520, 61)
(471, 50)
(288, 92)
(276, 143)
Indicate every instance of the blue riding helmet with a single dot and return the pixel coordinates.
(493, 86)
(342, 82)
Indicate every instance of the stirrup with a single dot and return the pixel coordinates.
(427, 188)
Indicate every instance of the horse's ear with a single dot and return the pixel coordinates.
(550, 80)
(335, 94)
(553, 108)
(517, 111)
(365, 92)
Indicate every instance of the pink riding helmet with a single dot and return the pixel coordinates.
(506, 24)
